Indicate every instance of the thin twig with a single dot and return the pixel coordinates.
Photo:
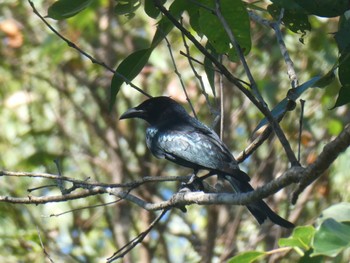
(275, 25)
(221, 90)
(302, 104)
(85, 207)
(239, 51)
(180, 77)
(199, 77)
(254, 144)
(42, 246)
(146, 179)
(60, 183)
(238, 83)
(137, 240)
(85, 54)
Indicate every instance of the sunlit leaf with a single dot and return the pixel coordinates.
(237, 19)
(129, 68)
(301, 238)
(282, 106)
(209, 69)
(331, 238)
(64, 9)
(165, 26)
(339, 212)
(247, 257)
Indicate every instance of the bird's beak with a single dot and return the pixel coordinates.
(133, 113)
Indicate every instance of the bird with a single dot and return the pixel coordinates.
(175, 135)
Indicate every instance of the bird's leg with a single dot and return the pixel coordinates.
(193, 177)
(196, 183)
(193, 184)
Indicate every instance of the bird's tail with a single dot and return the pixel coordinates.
(259, 209)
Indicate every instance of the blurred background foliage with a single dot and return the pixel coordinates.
(54, 105)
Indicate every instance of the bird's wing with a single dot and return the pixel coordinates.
(190, 147)
(212, 136)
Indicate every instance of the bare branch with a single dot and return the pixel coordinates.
(296, 174)
(137, 240)
(275, 25)
(43, 247)
(180, 77)
(239, 51)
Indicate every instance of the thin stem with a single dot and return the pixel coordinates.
(302, 104)
(237, 82)
(85, 54)
(239, 51)
(180, 77)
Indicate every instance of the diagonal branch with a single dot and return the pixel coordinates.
(85, 54)
(237, 82)
(296, 174)
(137, 240)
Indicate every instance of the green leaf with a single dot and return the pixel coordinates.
(165, 26)
(282, 107)
(151, 10)
(293, 19)
(247, 257)
(343, 97)
(331, 238)
(64, 9)
(326, 79)
(308, 259)
(237, 19)
(301, 238)
(339, 212)
(342, 37)
(129, 68)
(344, 77)
(290, 5)
(210, 69)
(325, 8)
(134, 63)
(344, 69)
(127, 7)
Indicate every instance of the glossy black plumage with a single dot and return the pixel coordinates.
(176, 136)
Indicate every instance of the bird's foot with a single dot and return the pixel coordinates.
(194, 184)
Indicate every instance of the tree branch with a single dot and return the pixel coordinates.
(237, 82)
(296, 174)
(85, 54)
(275, 25)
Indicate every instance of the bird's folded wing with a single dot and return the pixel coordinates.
(196, 150)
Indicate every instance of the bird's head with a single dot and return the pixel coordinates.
(156, 110)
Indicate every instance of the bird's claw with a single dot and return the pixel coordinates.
(193, 185)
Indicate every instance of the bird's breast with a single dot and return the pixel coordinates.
(152, 135)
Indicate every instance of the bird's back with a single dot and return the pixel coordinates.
(190, 143)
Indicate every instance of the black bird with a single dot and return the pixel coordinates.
(176, 136)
